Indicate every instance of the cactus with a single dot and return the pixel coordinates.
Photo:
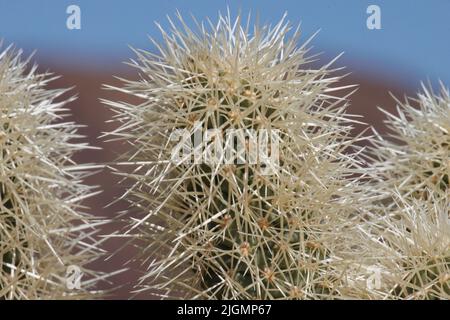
(408, 239)
(42, 227)
(417, 160)
(262, 229)
(411, 246)
(424, 266)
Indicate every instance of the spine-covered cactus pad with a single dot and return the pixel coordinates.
(42, 228)
(260, 221)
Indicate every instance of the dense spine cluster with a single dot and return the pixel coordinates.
(416, 160)
(43, 230)
(408, 238)
(244, 229)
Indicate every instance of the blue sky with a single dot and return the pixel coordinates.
(413, 44)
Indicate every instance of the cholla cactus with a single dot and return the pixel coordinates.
(409, 250)
(408, 241)
(419, 157)
(420, 240)
(42, 230)
(242, 229)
